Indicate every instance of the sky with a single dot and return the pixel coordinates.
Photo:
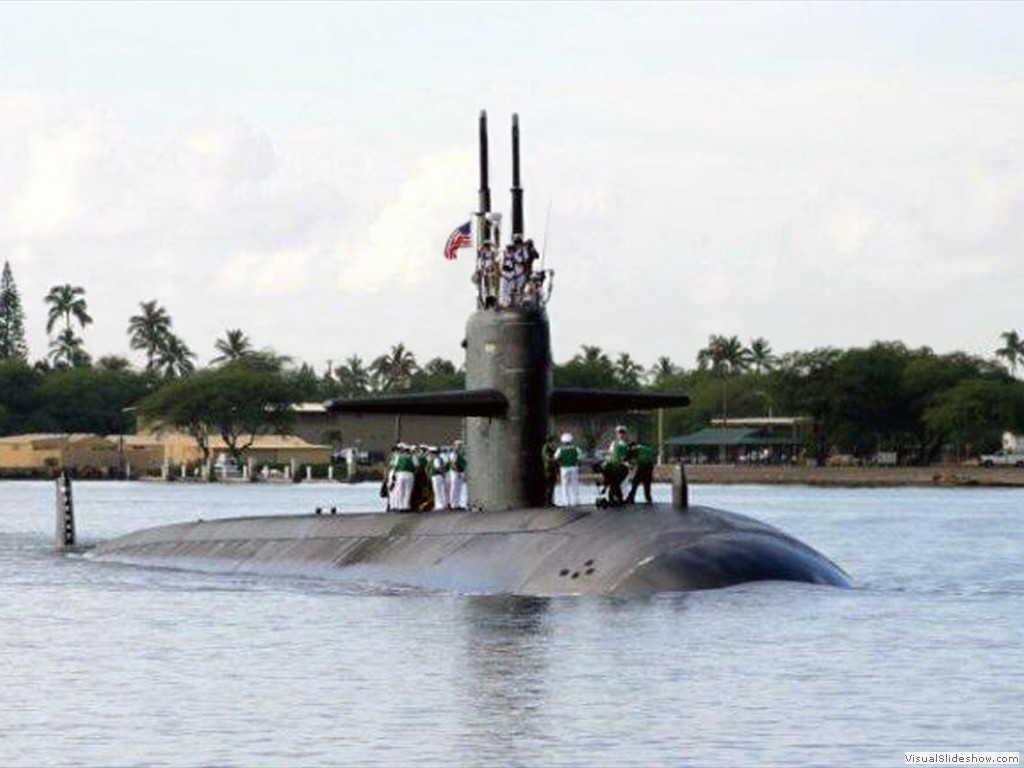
(815, 174)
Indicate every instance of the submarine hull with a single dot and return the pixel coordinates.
(538, 552)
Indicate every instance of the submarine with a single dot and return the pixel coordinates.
(508, 541)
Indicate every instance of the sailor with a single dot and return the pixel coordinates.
(550, 470)
(486, 276)
(420, 500)
(615, 468)
(456, 467)
(568, 458)
(530, 254)
(509, 259)
(521, 267)
(403, 479)
(537, 288)
(643, 457)
(387, 488)
(436, 471)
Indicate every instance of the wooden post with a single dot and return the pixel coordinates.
(65, 538)
(680, 490)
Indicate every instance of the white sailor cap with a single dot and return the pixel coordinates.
(566, 437)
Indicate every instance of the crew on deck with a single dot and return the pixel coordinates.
(401, 478)
(568, 458)
(615, 469)
(436, 469)
(456, 469)
(643, 457)
(506, 278)
(551, 471)
(486, 276)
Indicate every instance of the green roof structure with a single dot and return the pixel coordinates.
(736, 436)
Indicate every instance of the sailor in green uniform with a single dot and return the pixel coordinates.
(568, 458)
(615, 468)
(403, 477)
(644, 457)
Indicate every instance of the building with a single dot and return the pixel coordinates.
(179, 448)
(91, 455)
(37, 453)
(755, 440)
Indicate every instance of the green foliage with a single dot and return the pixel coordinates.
(724, 355)
(236, 401)
(89, 400)
(591, 368)
(353, 378)
(393, 372)
(12, 319)
(438, 374)
(871, 407)
(148, 331)
(1012, 350)
(233, 346)
(66, 301)
(974, 413)
(303, 383)
(67, 351)
(166, 353)
(19, 397)
(72, 399)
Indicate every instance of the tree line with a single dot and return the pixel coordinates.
(882, 397)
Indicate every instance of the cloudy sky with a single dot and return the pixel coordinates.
(820, 174)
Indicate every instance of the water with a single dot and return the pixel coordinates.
(112, 665)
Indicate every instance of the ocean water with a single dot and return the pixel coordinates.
(105, 664)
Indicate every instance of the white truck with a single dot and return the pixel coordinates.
(1003, 458)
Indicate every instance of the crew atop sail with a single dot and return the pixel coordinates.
(506, 278)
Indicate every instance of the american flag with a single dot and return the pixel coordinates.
(459, 238)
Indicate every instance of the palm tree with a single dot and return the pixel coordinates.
(234, 346)
(628, 371)
(353, 378)
(394, 370)
(174, 358)
(1012, 350)
(66, 350)
(592, 356)
(663, 368)
(149, 330)
(724, 356)
(761, 357)
(66, 301)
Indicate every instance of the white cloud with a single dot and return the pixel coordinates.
(51, 197)
(282, 273)
(408, 234)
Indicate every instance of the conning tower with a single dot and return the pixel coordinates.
(509, 398)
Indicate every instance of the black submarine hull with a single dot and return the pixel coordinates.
(537, 552)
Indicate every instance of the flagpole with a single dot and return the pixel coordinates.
(544, 245)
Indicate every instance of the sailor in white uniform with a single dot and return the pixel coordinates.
(456, 466)
(436, 471)
(568, 458)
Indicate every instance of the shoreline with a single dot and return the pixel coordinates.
(949, 476)
(850, 477)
